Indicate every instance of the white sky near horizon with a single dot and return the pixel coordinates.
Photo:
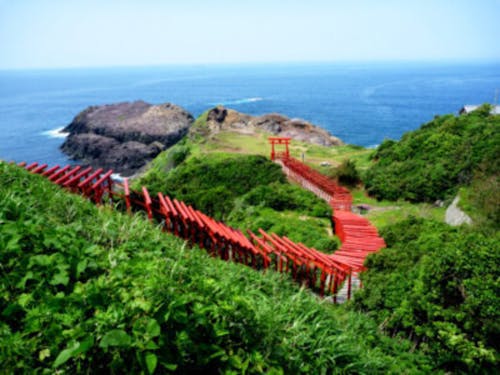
(90, 33)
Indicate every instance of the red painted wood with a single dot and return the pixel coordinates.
(171, 206)
(59, 172)
(67, 175)
(90, 177)
(31, 166)
(102, 180)
(77, 177)
(359, 238)
(39, 169)
(50, 170)
(147, 202)
(322, 272)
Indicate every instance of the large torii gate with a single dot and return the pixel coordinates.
(279, 141)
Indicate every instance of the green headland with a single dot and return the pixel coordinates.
(88, 289)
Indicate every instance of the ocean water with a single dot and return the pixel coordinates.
(360, 103)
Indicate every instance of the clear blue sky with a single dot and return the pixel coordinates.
(72, 33)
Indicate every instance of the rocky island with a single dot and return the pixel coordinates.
(125, 136)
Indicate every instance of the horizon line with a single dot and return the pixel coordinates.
(257, 63)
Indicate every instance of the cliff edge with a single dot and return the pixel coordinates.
(125, 136)
(223, 119)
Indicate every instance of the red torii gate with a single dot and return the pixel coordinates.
(279, 141)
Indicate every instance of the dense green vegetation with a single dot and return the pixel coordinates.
(345, 173)
(211, 183)
(286, 210)
(439, 287)
(86, 289)
(481, 200)
(434, 161)
(246, 191)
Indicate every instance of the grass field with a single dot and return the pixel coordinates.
(384, 213)
(258, 144)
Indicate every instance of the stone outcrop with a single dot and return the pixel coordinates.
(223, 119)
(125, 136)
(454, 216)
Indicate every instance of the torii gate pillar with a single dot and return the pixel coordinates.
(279, 141)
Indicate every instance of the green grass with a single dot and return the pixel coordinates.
(481, 201)
(85, 288)
(246, 191)
(222, 145)
(438, 286)
(385, 213)
(313, 154)
(257, 144)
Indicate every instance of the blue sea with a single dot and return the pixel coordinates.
(361, 103)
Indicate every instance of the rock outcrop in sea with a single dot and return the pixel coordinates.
(125, 136)
(224, 119)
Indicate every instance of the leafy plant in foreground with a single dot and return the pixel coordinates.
(86, 289)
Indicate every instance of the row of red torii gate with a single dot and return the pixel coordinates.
(334, 275)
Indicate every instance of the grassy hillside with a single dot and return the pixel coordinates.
(311, 229)
(434, 161)
(213, 182)
(439, 287)
(246, 191)
(384, 213)
(257, 144)
(435, 286)
(86, 289)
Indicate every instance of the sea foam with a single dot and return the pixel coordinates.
(239, 101)
(56, 133)
(117, 177)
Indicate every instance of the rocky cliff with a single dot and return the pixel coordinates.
(224, 119)
(125, 136)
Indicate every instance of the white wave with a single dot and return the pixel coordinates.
(372, 147)
(117, 177)
(56, 133)
(239, 101)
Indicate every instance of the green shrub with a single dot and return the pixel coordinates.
(310, 231)
(248, 192)
(283, 196)
(229, 175)
(86, 289)
(434, 161)
(484, 197)
(326, 244)
(347, 174)
(438, 286)
(154, 177)
(210, 183)
(179, 154)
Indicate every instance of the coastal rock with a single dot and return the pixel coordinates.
(224, 119)
(125, 136)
